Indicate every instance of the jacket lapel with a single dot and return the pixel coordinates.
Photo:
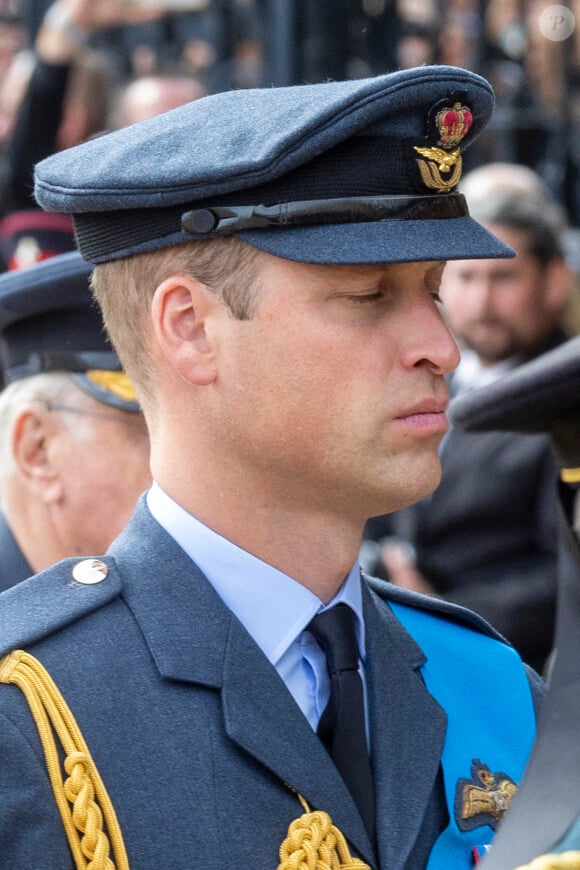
(263, 718)
(193, 637)
(407, 732)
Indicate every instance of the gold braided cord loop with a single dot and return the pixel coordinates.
(564, 861)
(84, 805)
(314, 843)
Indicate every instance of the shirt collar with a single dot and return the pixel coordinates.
(471, 374)
(272, 607)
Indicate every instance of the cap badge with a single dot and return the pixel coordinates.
(441, 168)
(453, 125)
(483, 799)
(90, 571)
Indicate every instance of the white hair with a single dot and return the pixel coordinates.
(48, 388)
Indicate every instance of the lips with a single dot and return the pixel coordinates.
(424, 419)
(426, 406)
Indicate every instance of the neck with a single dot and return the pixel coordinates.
(316, 549)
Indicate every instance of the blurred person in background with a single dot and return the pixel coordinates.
(15, 65)
(144, 97)
(68, 98)
(65, 101)
(13, 37)
(13, 84)
(486, 538)
(74, 448)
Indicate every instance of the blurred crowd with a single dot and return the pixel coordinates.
(242, 43)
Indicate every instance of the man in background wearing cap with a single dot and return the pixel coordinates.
(74, 448)
(268, 266)
(486, 538)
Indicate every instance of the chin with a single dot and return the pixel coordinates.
(406, 492)
(422, 483)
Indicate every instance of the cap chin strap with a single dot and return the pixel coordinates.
(211, 221)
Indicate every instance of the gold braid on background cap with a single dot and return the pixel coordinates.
(314, 843)
(117, 383)
(564, 861)
(84, 805)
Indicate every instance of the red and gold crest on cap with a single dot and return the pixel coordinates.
(453, 124)
(441, 165)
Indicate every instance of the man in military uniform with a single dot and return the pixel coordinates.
(544, 396)
(222, 688)
(74, 449)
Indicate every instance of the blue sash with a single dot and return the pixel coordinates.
(483, 688)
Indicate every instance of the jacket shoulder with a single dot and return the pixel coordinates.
(446, 611)
(437, 607)
(47, 602)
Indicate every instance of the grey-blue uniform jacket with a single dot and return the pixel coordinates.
(13, 566)
(195, 735)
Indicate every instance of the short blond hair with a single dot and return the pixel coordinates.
(124, 290)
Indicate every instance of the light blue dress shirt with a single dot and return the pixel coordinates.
(273, 608)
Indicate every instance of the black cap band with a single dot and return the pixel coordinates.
(57, 361)
(213, 221)
(106, 236)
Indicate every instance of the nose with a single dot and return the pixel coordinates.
(429, 343)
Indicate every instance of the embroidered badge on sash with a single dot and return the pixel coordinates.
(441, 167)
(483, 799)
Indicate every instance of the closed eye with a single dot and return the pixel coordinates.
(378, 296)
(433, 281)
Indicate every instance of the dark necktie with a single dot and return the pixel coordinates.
(342, 724)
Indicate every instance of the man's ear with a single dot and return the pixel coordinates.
(184, 312)
(33, 429)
